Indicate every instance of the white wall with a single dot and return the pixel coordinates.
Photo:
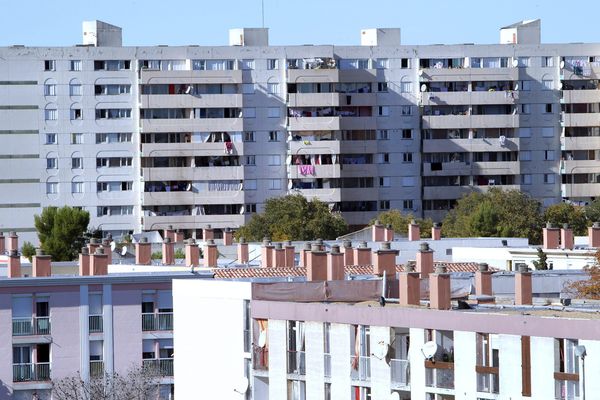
(542, 368)
(277, 338)
(381, 378)
(417, 364)
(340, 362)
(465, 359)
(315, 364)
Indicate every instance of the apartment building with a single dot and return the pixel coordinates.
(147, 137)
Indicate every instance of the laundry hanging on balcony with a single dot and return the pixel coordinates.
(306, 169)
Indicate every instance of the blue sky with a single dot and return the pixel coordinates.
(182, 22)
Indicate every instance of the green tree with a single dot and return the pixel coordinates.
(28, 250)
(497, 213)
(399, 222)
(592, 211)
(542, 261)
(61, 231)
(564, 213)
(293, 217)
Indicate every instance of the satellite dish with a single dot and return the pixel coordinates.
(562, 64)
(560, 86)
(113, 246)
(423, 88)
(124, 250)
(515, 62)
(516, 86)
(395, 396)
(420, 72)
(242, 386)
(381, 350)
(429, 349)
(262, 339)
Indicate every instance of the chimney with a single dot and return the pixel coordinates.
(14, 264)
(424, 260)
(2, 243)
(377, 232)
(551, 236)
(13, 241)
(178, 236)
(317, 264)
(93, 245)
(290, 254)
(385, 260)
(168, 252)
(227, 237)
(304, 254)
(143, 252)
(414, 231)
(593, 235)
(348, 252)
(362, 254)
(192, 253)
(98, 263)
(208, 233)
(266, 253)
(210, 254)
(388, 235)
(436, 231)
(410, 287)
(335, 265)
(169, 233)
(523, 286)
(321, 244)
(107, 250)
(566, 238)
(439, 289)
(84, 262)
(483, 282)
(278, 256)
(40, 265)
(242, 251)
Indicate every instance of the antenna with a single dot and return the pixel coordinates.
(262, 3)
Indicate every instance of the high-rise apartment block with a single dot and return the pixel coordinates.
(147, 137)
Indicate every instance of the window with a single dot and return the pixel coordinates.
(382, 87)
(49, 65)
(547, 61)
(113, 137)
(274, 136)
(274, 159)
(273, 63)
(76, 113)
(524, 85)
(526, 179)
(50, 138)
(51, 114)
(549, 178)
(407, 134)
(51, 187)
(525, 109)
(273, 88)
(383, 111)
(250, 208)
(75, 89)
(273, 112)
(248, 88)
(407, 157)
(51, 163)
(111, 90)
(248, 136)
(113, 113)
(249, 112)
(114, 186)
(49, 89)
(383, 158)
(548, 131)
(406, 110)
(549, 155)
(382, 63)
(250, 160)
(75, 65)
(525, 155)
(548, 108)
(76, 138)
(384, 181)
(116, 65)
(524, 62)
(407, 204)
(383, 134)
(250, 184)
(274, 184)
(524, 132)
(408, 181)
(406, 87)
(76, 187)
(76, 162)
(405, 63)
(247, 64)
(384, 204)
(548, 84)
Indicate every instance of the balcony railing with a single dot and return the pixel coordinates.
(159, 366)
(96, 368)
(31, 326)
(157, 321)
(566, 386)
(488, 379)
(296, 362)
(327, 359)
(96, 323)
(360, 368)
(439, 374)
(399, 370)
(260, 358)
(31, 372)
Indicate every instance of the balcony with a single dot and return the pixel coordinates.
(188, 100)
(190, 149)
(260, 358)
(296, 362)
(97, 369)
(470, 121)
(193, 221)
(327, 362)
(580, 190)
(471, 145)
(318, 171)
(31, 326)
(314, 147)
(192, 125)
(313, 75)
(581, 143)
(566, 386)
(189, 77)
(95, 323)
(488, 379)
(314, 123)
(475, 97)
(157, 321)
(158, 366)
(31, 372)
(400, 374)
(439, 374)
(193, 173)
(361, 368)
(327, 195)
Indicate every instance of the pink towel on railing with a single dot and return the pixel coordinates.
(306, 169)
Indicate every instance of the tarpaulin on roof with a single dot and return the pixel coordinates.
(332, 291)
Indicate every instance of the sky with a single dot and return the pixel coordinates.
(202, 22)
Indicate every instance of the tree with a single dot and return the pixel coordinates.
(138, 383)
(28, 250)
(292, 217)
(61, 231)
(542, 261)
(497, 213)
(399, 222)
(587, 288)
(592, 211)
(565, 213)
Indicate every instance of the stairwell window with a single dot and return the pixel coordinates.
(247, 64)
(382, 87)
(274, 112)
(383, 134)
(249, 136)
(249, 184)
(77, 163)
(51, 187)
(549, 179)
(274, 184)
(49, 89)
(407, 204)
(384, 205)
(407, 158)
(272, 63)
(406, 87)
(524, 62)
(526, 179)
(249, 112)
(274, 136)
(548, 84)
(382, 63)
(75, 65)
(51, 138)
(76, 187)
(548, 61)
(383, 111)
(385, 181)
(407, 134)
(51, 163)
(49, 65)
